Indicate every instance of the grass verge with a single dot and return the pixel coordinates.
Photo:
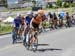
(5, 28)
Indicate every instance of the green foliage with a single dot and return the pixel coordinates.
(49, 5)
(59, 3)
(73, 4)
(5, 28)
(66, 5)
(34, 3)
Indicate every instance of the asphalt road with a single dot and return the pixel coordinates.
(5, 40)
(52, 43)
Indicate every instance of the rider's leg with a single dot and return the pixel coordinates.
(68, 23)
(35, 38)
(25, 32)
(36, 30)
(13, 36)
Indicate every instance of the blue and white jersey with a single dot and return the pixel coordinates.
(62, 15)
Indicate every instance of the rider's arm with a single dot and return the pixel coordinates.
(13, 25)
(25, 25)
(31, 23)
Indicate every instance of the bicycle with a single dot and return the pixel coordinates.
(26, 37)
(31, 40)
(16, 36)
(34, 40)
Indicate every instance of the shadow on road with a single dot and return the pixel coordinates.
(43, 44)
(48, 49)
(19, 42)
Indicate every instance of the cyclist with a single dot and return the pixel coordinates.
(61, 18)
(16, 25)
(68, 18)
(35, 22)
(44, 20)
(23, 25)
(73, 19)
(51, 19)
(28, 19)
(55, 20)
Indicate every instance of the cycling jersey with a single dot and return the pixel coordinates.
(17, 22)
(61, 15)
(28, 20)
(37, 20)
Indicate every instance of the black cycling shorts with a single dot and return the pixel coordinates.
(36, 26)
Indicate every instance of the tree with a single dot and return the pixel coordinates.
(59, 3)
(66, 5)
(34, 3)
(3, 3)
